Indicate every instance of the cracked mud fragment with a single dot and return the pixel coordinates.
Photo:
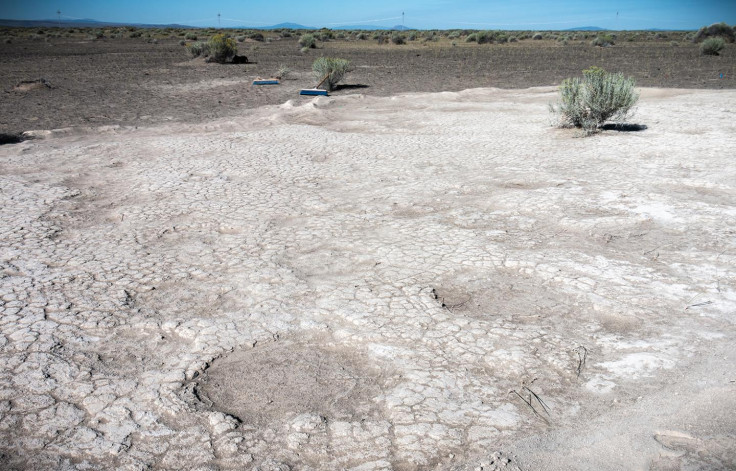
(358, 283)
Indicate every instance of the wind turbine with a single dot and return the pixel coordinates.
(218, 19)
(58, 17)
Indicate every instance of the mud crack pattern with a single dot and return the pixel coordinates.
(435, 262)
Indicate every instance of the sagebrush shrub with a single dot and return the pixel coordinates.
(604, 40)
(197, 49)
(483, 37)
(335, 69)
(190, 37)
(222, 48)
(397, 39)
(282, 72)
(712, 46)
(716, 30)
(597, 97)
(308, 41)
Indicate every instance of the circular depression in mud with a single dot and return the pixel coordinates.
(274, 382)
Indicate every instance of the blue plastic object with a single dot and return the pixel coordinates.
(313, 91)
(265, 82)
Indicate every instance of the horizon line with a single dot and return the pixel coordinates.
(336, 26)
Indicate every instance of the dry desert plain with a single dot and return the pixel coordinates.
(417, 272)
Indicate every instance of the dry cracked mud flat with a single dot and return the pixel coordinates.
(429, 281)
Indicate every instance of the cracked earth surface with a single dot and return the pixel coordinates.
(430, 281)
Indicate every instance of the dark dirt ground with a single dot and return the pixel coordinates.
(135, 82)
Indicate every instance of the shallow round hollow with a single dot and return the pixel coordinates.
(272, 383)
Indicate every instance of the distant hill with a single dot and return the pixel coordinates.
(374, 27)
(282, 26)
(586, 28)
(84, 23)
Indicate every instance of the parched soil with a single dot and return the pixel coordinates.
(417, 282)
(134, 82)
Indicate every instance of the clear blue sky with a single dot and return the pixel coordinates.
(445, 14)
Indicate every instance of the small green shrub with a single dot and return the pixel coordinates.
(190, 37)
(398, 39)
(603, 40)
(222, 48)
(308, 41)
(361, 36)
(335, 69)
(537, 36)
(283, 72)
(597, 97)
(712, 46)
(197, 49)
(484, 37)
(256, 36)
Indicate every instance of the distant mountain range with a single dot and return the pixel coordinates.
(374, 27)
(88, 23)
(585, 28)
(83, 23)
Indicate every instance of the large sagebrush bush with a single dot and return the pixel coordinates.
(308, 41)
(716, 30)
(219, 48)
(712, 46)
(222, 48)
(597, 97)
(398, 38)
(332, 67)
